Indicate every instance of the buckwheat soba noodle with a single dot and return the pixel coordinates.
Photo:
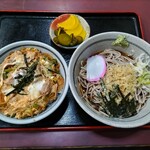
(123, 90)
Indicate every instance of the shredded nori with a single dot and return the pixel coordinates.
(126, 107)
(24, 80)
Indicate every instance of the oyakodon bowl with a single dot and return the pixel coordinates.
(92, 46)
(5, 51)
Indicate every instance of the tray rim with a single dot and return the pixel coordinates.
(69, 128)
(80, 12)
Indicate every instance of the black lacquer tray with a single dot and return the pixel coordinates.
(35, 26)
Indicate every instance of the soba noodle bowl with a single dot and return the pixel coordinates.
(123, 91)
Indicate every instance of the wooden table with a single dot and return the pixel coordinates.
(80, 138)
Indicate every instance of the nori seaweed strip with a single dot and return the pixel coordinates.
(127, 106)
(25, 60)
(25, 80)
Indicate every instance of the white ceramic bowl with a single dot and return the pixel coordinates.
(83, 23)
(63, 69)
(93, 45)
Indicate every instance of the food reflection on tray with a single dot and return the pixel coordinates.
(67, 37)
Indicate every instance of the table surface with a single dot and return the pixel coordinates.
(79, 138)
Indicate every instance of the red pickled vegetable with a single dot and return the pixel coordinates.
(59, 19)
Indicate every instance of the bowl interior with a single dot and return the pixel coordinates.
(96, 44)
(85, 26)
(63, 69)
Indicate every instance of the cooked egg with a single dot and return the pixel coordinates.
(24, 84)
(6, 89)
(35, 89)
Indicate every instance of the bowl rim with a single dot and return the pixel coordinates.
(77, 52)
(58, 56)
